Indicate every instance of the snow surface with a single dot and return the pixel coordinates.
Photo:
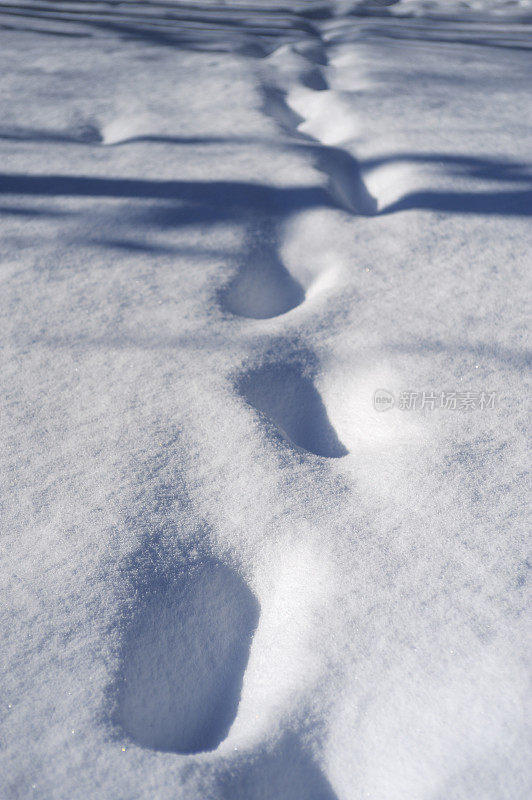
(225, 226)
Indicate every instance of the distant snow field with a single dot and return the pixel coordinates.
(264, 280)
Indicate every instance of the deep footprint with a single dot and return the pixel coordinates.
(263, 288)
(290, 400)
(183, 659)
(346, 183)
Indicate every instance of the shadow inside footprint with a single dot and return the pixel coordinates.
(290, 400)
(274, 105)
(263, 288)
(183, 659)
(346, 183)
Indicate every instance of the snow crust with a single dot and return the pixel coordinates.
(226, 229)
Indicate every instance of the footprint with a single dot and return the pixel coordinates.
(287, 396)
(290, 66)
(263, 287)
(313, 50)
(328, 115)
(346, 184)
(183, 658)
(275, 105)
(313, 79)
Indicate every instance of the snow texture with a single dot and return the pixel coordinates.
(229, 230)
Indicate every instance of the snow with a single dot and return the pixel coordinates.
(226, 574)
